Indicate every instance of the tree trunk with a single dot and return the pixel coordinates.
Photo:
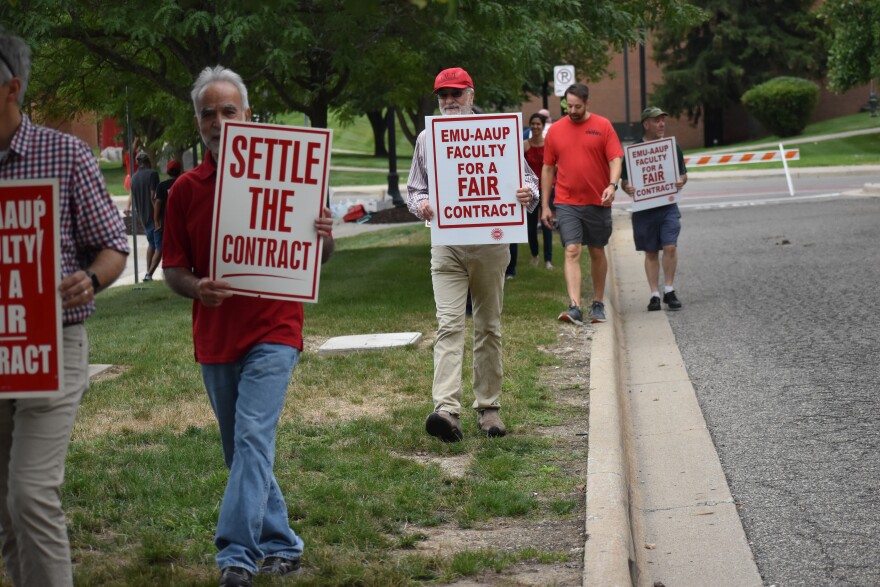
(318, 115)
(713, 126)
(426, 108)
(379, 126)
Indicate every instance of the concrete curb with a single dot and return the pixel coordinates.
(658, 503)
(609, 554)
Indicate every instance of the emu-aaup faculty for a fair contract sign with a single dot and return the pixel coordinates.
(271, 186)
(653, 170)
(30, 304)
(475, 166)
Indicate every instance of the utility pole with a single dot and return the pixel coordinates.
(642, 72)
(628, 138)
(134, 212)
(393, 178)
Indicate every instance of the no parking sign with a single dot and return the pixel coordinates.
(563, 77)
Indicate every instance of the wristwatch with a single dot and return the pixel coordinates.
(615, 186)
(96, 285)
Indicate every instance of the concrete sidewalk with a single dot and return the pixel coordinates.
(658, 505)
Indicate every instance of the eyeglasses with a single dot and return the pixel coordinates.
(453, 93)
(8, 65)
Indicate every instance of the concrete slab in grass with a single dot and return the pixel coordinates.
(97, 369)
(368, 342)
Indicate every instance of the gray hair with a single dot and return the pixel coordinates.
(218, 73)
(15, 61)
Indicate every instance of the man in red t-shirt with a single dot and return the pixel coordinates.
(247, 348)
(583, 154)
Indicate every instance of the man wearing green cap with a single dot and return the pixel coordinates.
(658, 228)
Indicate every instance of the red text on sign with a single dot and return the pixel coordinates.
(293, 165)
(272, 206)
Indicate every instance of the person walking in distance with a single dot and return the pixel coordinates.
(582, 152)
(454, 269)
(533, 149)
(657, 229)
(160, 201)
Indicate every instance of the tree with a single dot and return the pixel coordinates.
(854, 53)
(739, 44)
(313, 55)
(506, 46)
(293, 54)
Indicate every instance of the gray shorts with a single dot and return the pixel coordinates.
(584, 225)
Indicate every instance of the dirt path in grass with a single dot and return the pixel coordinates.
(569, 385)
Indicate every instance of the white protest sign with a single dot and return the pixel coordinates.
(31, 357)
(475, 166)
(652, 168)
(271, 186)
(563, 77)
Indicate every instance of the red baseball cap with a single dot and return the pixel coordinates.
(454, 77)
(173, 165)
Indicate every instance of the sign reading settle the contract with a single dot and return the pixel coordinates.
(30, 305)
(653, 170)
(272, 186)
(475, 166)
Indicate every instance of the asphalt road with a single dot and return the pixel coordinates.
(780, 333)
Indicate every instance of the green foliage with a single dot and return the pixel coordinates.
(312, 56)
(854, 52)
(783, 105)
(738, 44)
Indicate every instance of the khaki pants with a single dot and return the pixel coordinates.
(454, 269)
(34, 436)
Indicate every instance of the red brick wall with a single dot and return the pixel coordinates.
(85, 127)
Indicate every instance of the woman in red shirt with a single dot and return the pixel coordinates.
(533, 147)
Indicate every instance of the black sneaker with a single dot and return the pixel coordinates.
(236, 577)
(670, 299)
(654, 304)
(597, 312)
(280, 567)
(573, 315)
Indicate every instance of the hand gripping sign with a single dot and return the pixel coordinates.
(475, 166)
(653, 171)
(30, 304)
(271, 187)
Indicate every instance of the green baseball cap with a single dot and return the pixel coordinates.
(652, 112)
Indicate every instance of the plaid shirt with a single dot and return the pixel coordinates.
(89, 221)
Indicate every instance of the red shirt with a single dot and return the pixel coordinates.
(535, 158)
(226, 333)
(581, 153)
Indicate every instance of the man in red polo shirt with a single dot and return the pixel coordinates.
(247, 348)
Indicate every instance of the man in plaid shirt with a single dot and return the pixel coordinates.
(35, 432)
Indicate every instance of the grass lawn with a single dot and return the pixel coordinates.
(145, 473)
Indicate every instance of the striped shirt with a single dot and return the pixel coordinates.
(417, 185)
(89, 221)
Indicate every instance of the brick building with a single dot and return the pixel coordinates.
(608, 98)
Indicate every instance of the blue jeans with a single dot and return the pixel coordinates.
(247, 397)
